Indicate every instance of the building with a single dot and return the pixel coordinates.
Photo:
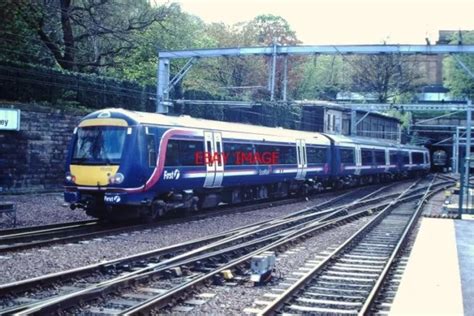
(322, 116)
(333, 118)
(371, 124)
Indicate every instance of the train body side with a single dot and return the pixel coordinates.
(148, 162)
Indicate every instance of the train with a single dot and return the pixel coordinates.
(440, 160)
(125, 164)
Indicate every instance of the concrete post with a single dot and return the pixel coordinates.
(285, 76)
(162, 93)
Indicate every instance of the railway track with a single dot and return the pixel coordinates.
(156, 278)
(350, 279)
(36, 236)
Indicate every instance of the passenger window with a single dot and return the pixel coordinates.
(151, 149)
(172, 154)
(219, 151)
(231, 149)
(379, 157)
(393, 157)
(367, 158)
(209, 152)
(316, 154)
(287, 154)
(184, 153)
(406, 157)
(417, 158)
(238, 154)
(347, 156)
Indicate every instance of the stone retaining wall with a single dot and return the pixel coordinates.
(33, 159)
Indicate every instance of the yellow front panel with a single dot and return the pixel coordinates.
(93, 175)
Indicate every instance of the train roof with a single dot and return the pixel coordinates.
(134, 117)
(342, 140)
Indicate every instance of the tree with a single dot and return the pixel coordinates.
(239, 77)
(88, 34)
(457, 79)
(264, 30)
(18, 41)
(385, 75)
(322, 77)
(178, 31)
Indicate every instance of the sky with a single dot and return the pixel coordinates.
(346, 21)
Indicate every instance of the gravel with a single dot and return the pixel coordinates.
(41, 209)
(40, 261)
(434, 207)
(232, 300)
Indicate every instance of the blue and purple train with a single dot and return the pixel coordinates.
(124, 164)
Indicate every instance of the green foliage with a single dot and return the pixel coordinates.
(39, 83)
(387, 76)
(179, 31)
(120, 39)
(264, 30)
(459, 82)
(404, 117)
(322, 78)
(18, 39)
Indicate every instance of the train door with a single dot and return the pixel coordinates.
(301, 159)
(220, 161)
(358, 160)
(215, 162)
(410, 163)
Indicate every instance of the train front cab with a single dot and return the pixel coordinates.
(109, 158)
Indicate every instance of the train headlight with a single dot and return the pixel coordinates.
(70, 178)
(116, 178)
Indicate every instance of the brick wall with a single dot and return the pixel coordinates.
(33, 158)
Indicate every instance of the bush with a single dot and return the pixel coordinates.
(25, 83)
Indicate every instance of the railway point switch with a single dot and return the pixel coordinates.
(262, 267)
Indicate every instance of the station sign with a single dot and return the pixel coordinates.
(9, 119)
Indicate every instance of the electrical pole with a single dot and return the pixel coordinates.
(464, 179)
(272, 82)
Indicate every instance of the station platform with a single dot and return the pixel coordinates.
(439, 276)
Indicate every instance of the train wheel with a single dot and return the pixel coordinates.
(304, 190)
(193, 208)
(157, 210)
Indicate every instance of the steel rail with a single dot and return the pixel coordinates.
(69, 299)
(143, 273)
(160, 301)
(18, 238)
(368, 304)
(15, 231)
(297, 286)
(21, 241)
(16, 287)
(300, 284)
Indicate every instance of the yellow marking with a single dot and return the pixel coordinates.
(103, 122)
(93, 175)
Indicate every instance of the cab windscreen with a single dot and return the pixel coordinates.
(99, 145)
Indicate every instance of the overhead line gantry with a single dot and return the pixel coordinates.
(165, 84)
